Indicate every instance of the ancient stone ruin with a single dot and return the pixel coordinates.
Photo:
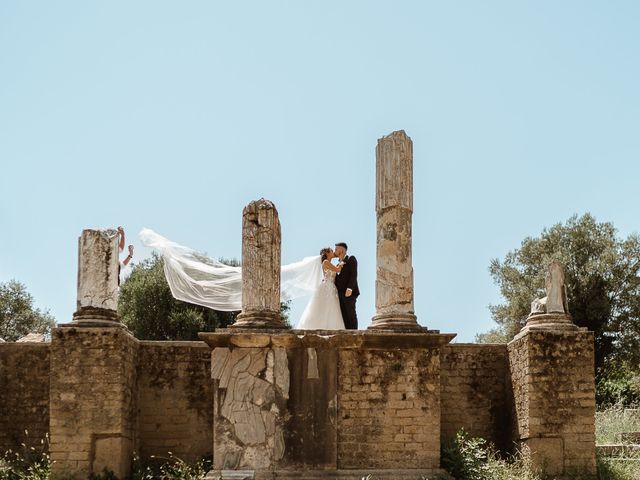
(269, 402)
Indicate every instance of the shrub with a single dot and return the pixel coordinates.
(466, 458)
(469, 458)
(617, 384)
(172, 468)
(30, 463)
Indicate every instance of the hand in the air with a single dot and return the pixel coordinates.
(131, 250)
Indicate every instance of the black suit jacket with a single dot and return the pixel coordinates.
(348, 277)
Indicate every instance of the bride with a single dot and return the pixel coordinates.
(323, 310)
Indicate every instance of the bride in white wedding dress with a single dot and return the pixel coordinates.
(323, 310)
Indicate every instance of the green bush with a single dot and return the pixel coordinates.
(171, 468)
(617, 384)
(30, 463)
(466, 458)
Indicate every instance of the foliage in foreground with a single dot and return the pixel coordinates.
(468, 458)
(613, 421)
(618, 469)
(37, 466)
(18, 315)
(29, 464)
(172, 468)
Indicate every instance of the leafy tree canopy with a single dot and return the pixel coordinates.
(18, 316)
(603, 287)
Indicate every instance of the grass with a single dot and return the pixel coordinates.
(610, 423)
(31, 465)
(617, 469)
(615, 420)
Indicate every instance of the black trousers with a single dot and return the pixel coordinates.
(348, 309)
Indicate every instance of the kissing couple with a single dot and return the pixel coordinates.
(333, 303)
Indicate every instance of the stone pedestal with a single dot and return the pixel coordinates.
(92, 400)
(326, 404)
(261, 244)
(394, 208)
(97, 278)
(552, 375)
(556, 322)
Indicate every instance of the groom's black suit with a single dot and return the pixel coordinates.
(348, 278)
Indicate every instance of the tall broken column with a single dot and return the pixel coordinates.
(261, 244)
(97, 303)
(92, 386)
(394, 208)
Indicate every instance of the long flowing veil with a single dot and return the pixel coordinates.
(196, 278)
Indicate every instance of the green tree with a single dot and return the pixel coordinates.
(603, 286)
(18, 316)
(147, 307)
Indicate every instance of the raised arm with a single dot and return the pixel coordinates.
(121, 234)
(126, 261)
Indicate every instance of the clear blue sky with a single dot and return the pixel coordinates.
(175, 115)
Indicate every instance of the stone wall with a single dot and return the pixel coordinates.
(475, 391)
(93, 399)
(24, 395)
(175, 400)
(389, 409)
(371, 400)
(554, 393)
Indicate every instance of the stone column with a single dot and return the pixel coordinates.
(97, 278)
(394, 207)
(260, 267)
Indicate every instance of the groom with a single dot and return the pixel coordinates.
(347, 285)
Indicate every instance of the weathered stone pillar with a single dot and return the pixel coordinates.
(394, 207)
(92, 386)
(551, 362)
(97, 278)
(260, 267)
(92, 401)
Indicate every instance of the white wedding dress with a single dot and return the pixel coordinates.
(323, 310)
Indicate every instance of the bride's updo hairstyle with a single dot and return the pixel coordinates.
(324, 253)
